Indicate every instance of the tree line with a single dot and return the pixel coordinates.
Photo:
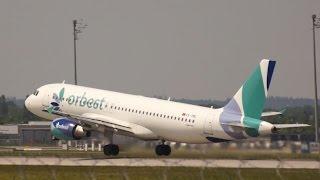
(10, 113)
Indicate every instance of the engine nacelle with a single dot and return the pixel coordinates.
(266, 128)
(66, 129)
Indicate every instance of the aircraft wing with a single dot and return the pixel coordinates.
(94, 121)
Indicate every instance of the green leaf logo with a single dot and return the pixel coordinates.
(50, 109)
(55, 103)
(61, 93)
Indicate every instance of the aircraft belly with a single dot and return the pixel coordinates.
(180, 134)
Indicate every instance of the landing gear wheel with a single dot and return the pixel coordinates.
(163, 149)
(88, 133)
(158, 150)
(167, 150)
(111, 150)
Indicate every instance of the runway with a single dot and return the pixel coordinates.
(164, 162)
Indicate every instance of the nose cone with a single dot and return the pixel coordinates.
(32, 104)
(27, 103)
(266, 128)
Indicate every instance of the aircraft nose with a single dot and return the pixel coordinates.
(27, 103)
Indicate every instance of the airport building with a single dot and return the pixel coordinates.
(30, 134)
(37, 133)
(9, 135)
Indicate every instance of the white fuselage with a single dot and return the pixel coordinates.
(169, 120)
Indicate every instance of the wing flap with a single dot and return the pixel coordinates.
(134, 129)
(107, 121)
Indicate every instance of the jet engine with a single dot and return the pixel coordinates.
(67, 129)
(267, 128)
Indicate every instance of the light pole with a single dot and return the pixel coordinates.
(77, 28)
(315, 24)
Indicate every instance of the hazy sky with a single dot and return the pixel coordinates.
(179, 48)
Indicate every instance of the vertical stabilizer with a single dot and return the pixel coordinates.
(250, 98)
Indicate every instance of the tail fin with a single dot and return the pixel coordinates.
(250, 98)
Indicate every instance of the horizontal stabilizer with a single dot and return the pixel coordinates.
(272, 113)
(282, 126)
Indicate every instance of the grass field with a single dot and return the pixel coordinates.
(181, 153)
(135, 173)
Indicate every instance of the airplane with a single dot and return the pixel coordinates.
(76, 111)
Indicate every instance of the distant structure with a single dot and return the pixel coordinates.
(33, 133)
(315, 24)
(78, 27)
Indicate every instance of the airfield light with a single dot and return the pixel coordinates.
(78, 27)
(315, 24)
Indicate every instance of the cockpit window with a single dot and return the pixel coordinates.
(36, 93)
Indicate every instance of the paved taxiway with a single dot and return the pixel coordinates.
(213, 163)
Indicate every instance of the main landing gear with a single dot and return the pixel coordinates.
(163, 149)
(111, 150)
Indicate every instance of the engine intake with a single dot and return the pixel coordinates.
(66, 129)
